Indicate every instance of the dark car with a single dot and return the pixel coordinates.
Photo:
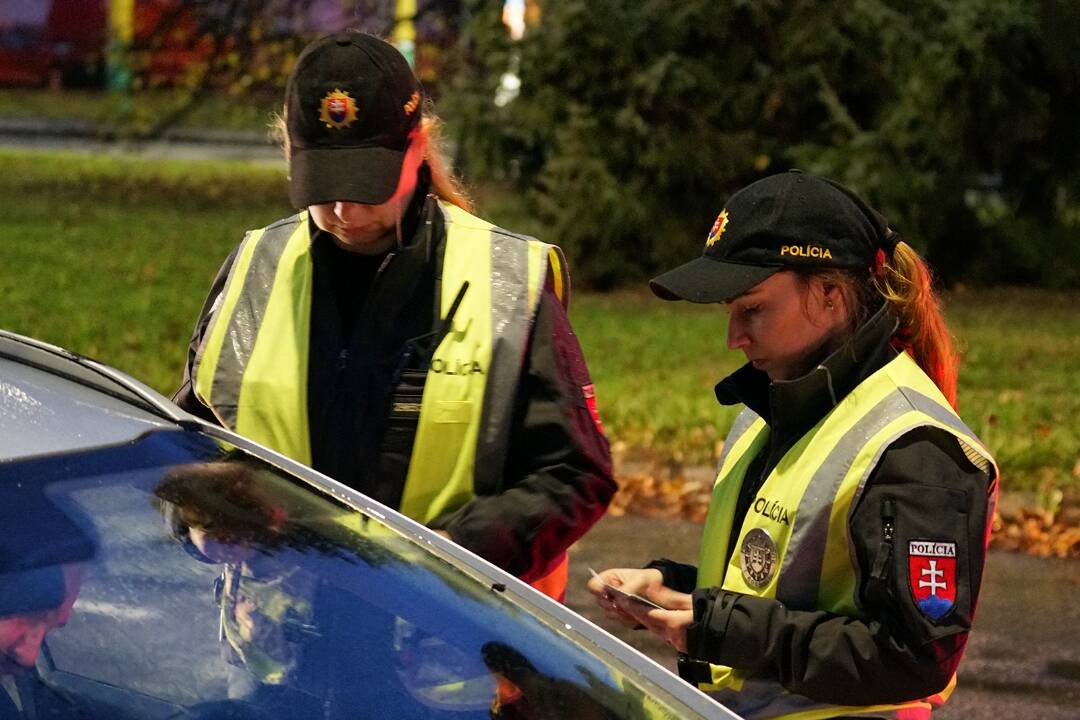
(154, 566)
(63, 45)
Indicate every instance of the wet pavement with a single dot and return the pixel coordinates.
(1022, 659)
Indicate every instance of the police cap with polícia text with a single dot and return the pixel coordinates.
(783, 221)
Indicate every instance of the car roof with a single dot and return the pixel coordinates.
(53, 401)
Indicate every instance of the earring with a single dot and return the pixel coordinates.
(828, 305)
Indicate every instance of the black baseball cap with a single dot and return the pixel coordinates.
(787, 220)
(38, 540)
(350, 102)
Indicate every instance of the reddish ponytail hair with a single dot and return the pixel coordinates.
(905, 282)
(444, 183)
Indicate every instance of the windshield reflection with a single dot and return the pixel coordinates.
(225, 587)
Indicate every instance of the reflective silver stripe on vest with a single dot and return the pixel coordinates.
(800, 572)
(509, 304)
(930, 407)
(742, 423)
(244, 325)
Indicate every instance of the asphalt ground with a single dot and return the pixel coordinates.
(1022, 659)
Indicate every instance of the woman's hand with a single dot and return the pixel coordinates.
(669, 625)
(631, 580)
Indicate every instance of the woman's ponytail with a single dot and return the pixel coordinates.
(444, 184)
(905, 281)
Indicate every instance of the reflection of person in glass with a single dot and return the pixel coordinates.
(21, 634)
(525, 693)
(46, 596)
(219, 512)
(42, 557)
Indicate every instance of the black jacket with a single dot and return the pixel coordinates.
(557, 480)
(929, 489)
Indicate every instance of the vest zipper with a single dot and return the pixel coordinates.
(885, 549)
(344, 354)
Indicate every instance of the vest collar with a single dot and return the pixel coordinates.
(794, 406)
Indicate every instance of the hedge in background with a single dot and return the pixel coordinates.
(637, 118)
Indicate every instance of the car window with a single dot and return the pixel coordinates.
(221, 586)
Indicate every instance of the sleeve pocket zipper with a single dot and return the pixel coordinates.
(885, 549)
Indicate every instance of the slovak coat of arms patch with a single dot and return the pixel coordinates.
(337, 109)
(759, 558)
(932, 574)
(718, 228)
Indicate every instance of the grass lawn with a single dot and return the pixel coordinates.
(112, 257)
(655, 365)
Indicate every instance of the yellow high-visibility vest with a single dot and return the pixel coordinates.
(251, 369)
(805, 503)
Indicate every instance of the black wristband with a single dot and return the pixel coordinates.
(694, 671)
(712, 612)
(697, 631)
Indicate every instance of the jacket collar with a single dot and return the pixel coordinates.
(791, 407)
(392, 278)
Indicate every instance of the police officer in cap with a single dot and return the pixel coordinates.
(844, 545)
(43, 556)
(396, 342)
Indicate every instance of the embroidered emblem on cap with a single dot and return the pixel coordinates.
(718, 228)
(758, 558)
(338, 109)
(932, 574)
(414, 102)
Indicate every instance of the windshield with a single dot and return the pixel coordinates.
(201, 581)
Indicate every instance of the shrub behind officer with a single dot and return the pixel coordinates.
(397, 343)
(843, 551)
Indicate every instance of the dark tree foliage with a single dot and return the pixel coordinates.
(637, 118)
